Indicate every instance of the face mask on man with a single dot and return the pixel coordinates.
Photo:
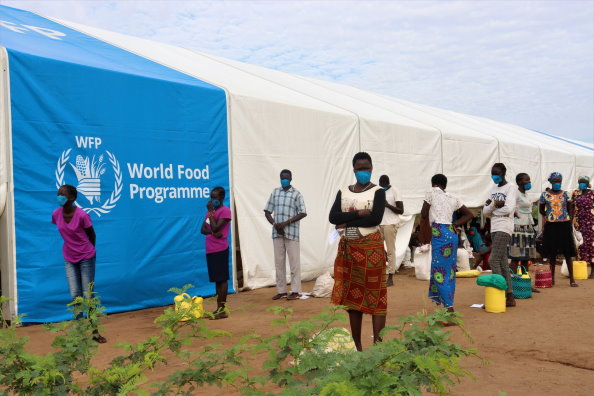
(285, 183)
(496, 179)
(527, 186)
(363, 177)
(61, 199)
(583, 186)
(556, 186)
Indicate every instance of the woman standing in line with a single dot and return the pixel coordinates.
(360, 265)
(437, 228)
(216, 228)
(523, 244)
(583, 199)
(76, 229)
(556, 208)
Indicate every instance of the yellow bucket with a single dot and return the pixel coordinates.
(494, 300)
(580, 270)
(191, 304)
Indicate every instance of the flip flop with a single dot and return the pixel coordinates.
(573, 284)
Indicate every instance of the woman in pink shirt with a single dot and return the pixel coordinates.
(76, 228)
(216, 228)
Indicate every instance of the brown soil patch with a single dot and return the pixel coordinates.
(541, 347)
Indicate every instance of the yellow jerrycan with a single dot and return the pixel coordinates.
(193, 305)
(494, 300)
(580, 270)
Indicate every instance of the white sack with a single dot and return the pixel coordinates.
(323, 286)
(423, 262)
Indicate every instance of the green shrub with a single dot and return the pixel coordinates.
(310, 357)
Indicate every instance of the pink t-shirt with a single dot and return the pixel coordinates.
(76, 246)
(214, 244)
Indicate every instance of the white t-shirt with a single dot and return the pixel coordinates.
(502, 219)
(392, 195)
(443, 206)
(351, 201)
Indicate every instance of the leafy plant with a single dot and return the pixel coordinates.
(311, 357)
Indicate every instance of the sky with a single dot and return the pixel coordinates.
(529, 63)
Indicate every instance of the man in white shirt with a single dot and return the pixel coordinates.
(389, 224)
(501, 206)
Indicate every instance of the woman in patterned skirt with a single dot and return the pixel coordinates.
(437, 228)
(523, 244)
(360, 265)
(583, 199)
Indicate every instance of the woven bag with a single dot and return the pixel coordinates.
(543, 279)
(522, 287)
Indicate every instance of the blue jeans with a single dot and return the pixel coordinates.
(79, 275)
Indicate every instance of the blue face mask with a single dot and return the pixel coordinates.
(61, 200)
(496, 179)
(527, 186)
(385, 187)
(583, 186)
(363, 177)
(285, 183)
(556, 186)
(216, 203)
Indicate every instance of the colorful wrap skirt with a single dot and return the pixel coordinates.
(444, 252)
(523, 243)
(360, 275)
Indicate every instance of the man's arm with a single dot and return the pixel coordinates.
(398, 208)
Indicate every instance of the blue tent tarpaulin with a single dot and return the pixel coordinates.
(145, 145)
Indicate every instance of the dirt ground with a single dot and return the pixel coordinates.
(544, 346)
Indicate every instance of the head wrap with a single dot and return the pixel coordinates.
(586, 178)
(554, 175)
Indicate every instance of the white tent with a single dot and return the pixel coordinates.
(278, 120)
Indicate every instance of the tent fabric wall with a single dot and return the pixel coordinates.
(278, 120)
(85, 113)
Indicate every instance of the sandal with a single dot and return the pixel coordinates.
(279, 296)
(219, 315)
(573, 284)
(98, 337)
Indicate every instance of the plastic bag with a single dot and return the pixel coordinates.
(577, 238)
(423, 262)
(323, 286)
(564, 269)
(494, 280)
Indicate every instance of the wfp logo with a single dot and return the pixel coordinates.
(87, 174)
